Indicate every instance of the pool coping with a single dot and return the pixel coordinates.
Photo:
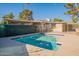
(11, 37)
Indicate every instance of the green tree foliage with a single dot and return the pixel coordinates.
(1, 22)
(75, 19)
(73, 10)
(26, 15)
(69, 5)
(8, 16)
(57, 20)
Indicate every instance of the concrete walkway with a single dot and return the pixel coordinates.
(10, 47)
(70, 44)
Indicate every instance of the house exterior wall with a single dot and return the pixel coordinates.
(69, 27)
(60, 27)
(64, 29)
(44, 26)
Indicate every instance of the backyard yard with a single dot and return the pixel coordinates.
(69, 46)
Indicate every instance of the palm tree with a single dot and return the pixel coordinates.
(73, 10)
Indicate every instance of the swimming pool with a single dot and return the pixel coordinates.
(39, 40)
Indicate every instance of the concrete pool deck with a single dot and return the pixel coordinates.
(69, 47)
(10, 47)
(70, 44)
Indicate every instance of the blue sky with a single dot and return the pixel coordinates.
(40, 10)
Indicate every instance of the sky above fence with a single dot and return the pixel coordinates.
(40, 10)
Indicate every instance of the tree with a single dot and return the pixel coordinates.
(8, 16)
(73, 10)
(57, 20)
(75, 19)
(0, 22)
(26, 15)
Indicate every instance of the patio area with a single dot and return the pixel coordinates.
(69, 47)
(70, 44)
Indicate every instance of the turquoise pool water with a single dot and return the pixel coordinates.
(39, 40)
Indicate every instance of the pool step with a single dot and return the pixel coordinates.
(36, 51)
